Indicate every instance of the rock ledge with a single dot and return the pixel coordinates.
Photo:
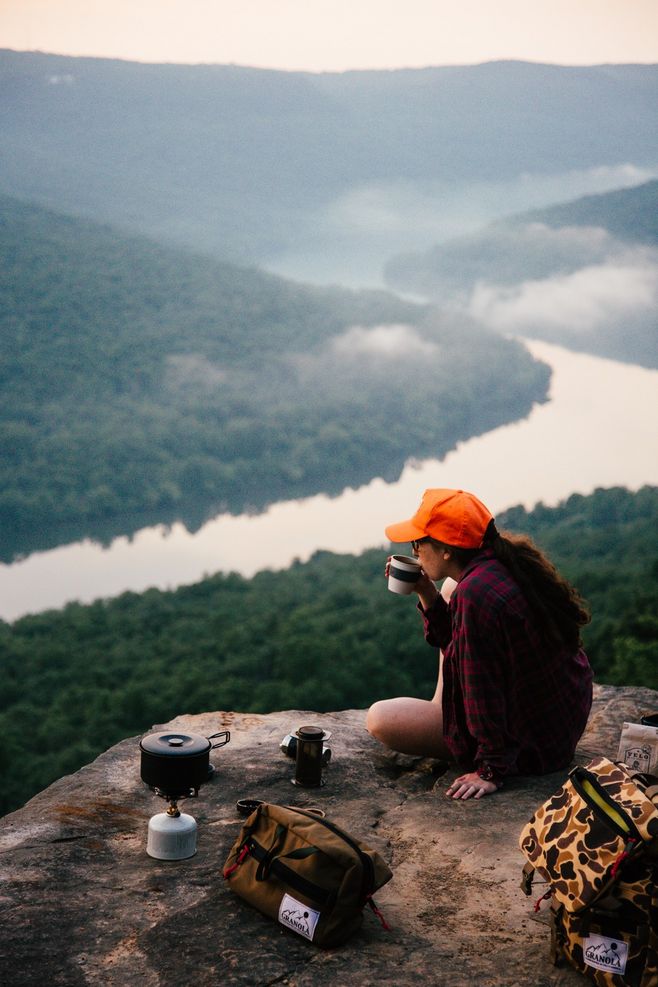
(83, 904)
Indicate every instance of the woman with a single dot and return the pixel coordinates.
(515, 687)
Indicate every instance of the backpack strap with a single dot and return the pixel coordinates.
(527, 879)
(558, 934)
(645, 782)
(651, 792)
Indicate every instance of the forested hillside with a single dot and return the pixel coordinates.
(583, 274)
(250, 163)
(135, 378)
(321, 636)
(630, 214)
(527, 245)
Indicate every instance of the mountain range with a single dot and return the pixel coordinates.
(273, 167)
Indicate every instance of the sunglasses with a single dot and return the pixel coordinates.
(421, 541)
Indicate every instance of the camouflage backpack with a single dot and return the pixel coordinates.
(595, 844)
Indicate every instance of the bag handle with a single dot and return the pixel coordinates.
(263, 869)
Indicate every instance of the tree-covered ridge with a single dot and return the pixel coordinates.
(534, 245)
(629, 213)
(582, 274)
(135, 378)
(322, 635)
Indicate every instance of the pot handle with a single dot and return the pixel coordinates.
(223, 733)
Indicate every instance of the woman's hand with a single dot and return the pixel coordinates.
(471, 786)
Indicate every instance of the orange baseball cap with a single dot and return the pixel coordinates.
(454, 517)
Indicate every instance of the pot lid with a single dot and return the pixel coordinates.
(175, 744)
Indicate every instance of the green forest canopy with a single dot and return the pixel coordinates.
(323, 635)
(139, 379)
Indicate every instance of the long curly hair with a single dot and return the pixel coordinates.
(555, 603)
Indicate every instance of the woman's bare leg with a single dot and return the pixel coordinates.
(411, 726)
(438, 692)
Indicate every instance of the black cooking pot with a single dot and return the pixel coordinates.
(177, 764)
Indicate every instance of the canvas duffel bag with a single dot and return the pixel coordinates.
(305, 872)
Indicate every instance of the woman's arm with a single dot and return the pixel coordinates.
(436, 619)
(481, 661)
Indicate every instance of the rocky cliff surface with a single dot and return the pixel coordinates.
(83, 904)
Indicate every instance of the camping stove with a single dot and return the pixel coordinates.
(174, 766)
(171, 834)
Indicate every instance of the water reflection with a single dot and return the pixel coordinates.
(599, 429)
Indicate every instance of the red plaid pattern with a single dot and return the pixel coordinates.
(512, 701)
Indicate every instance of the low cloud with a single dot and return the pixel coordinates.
(549, 189)
(361, 359)
(61, 80)
(192, 371)
(504, 255)
(421, 212)
(620, 294)
(388, 341)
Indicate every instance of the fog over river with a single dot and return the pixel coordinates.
(599, 429)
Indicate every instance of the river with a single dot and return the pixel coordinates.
(599, 429)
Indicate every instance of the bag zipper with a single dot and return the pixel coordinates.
(589, 788)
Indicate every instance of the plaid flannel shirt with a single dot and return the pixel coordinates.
(513, 703)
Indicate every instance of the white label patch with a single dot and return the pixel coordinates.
(606, 954)
(298, 917)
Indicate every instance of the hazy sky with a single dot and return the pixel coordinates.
(333, 35)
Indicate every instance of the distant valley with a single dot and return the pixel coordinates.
(320, 177)
(153, 371)
(140, 379)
